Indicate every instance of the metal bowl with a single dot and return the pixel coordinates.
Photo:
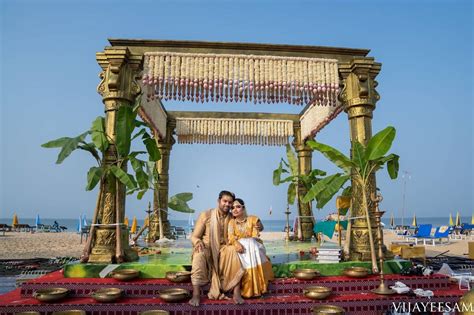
(178, 276)
(328, 309)
(317, 292)
(356, 272)
(70, 312)
(306, 274)
(125, 274)
(107, 294)
(155, 312)
(174, 295)
(50, 294)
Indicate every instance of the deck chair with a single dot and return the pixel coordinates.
(440, 233)
(423, 231)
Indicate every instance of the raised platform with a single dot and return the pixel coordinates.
(285, 296)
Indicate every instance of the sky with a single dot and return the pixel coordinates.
(49, 77)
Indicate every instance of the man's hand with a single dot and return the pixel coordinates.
(199, 247)
(239, 248)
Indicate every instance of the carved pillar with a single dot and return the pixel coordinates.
(359, 97)
(118, 87)
(160, 197)
(304, 154)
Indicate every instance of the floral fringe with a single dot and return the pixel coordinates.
(234, 131)
(316, 117)
(235, 78)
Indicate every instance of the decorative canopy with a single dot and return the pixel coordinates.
(316, 118)
(234, 131)
(226, 77)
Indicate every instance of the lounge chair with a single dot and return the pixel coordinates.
(180, 232)
(467, 230)
(424, 231)
(440, 233)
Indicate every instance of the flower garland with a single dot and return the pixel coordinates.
(236, 78)
(317, 117)
(234, 131)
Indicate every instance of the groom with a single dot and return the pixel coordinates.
(213, 260)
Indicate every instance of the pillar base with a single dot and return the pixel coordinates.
(105, 246)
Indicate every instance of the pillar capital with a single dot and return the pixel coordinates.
(119, 76)
(358, 93)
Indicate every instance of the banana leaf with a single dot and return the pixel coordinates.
(123, 177)
(93, 177)
(380, 143)
(333, 155)
(98, 135)
(125, 124)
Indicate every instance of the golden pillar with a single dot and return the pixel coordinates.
(118, 87)
(304, 154)
(359, 97)
(160, 197)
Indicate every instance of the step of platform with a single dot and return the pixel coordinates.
(276, 304)
(147, 288)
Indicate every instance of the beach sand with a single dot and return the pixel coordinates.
(24, 245)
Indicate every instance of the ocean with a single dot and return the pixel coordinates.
(270, 225)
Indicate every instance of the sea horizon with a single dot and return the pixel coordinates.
(271, 225)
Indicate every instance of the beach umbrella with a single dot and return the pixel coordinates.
(15, 220)
(38, 220)
(133, 229)
(472, 219)
(125, 221)
(458, 219)
(84, 221)
(392, 221)
(451, 222)
(414, 223)
(79, 225)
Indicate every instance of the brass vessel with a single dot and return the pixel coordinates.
(28, 313)
(178, 276)
(174, 295)
(328, 309)
(70, 312)
(125, 274)
(155, 312)
(107, 294)
(317, 292)
(50, 294)
(356, 272)
(306, 274)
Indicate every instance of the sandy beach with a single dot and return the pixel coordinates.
(24, 245)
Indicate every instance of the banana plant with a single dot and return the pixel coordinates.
(293, 177)
(365, 160)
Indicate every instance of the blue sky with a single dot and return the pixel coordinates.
(49, 76)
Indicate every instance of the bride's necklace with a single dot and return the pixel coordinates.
(241, 225)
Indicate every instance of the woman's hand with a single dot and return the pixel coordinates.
(239, 248)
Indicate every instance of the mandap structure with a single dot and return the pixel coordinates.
(324, 81)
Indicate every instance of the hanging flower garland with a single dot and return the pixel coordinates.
(235, 78)
(234, 131)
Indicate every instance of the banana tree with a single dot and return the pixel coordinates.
(364, 162)
(293, 177)
(111, 170)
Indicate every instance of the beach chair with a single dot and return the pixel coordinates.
(440, 233)
(85, 231)
(180, 232)
(424, 231)
(467, 230)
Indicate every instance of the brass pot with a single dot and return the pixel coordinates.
(306, 274)
(356, 272)
(50, 294)
(328, 309)
(107, 294)
(178, 276)
(70, 312)
(174, 295)
(125, 274)
(317, 292)
(155, 312)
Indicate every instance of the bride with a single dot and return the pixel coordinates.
(244, 235)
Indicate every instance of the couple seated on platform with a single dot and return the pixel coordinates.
(228, 253)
